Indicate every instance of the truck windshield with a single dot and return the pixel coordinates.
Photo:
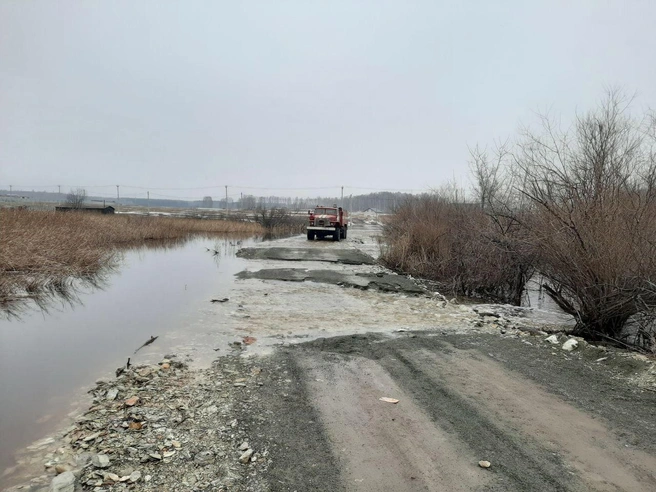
(325, 211)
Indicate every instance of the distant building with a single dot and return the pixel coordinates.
(98, 208)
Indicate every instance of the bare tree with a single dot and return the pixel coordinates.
(593, 220)
(249, 202)
(207, 202)
(75, 198)
(486, 171)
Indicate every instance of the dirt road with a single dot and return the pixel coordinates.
(467, 392)
(333, 333)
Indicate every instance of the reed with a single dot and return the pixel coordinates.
(42, 252)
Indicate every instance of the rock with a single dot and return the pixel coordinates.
(100, 461)
(112, 394)
(155, 456)
(91, 437)
(147, 478)
(64, 482)
(246, 457)
(570, 345)
(487, 312)
(83, 459)
(135, 476)
(244, 446)
(62, 468)
(484, 464)
(204, 457)
(112, 477)
(130, 402)
(166, 365)
(552, 339)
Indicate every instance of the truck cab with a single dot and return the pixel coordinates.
(327, 221)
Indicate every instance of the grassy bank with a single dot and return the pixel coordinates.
(41, 253)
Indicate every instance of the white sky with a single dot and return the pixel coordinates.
(295, 94)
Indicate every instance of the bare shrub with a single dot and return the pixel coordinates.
(458, 245)
(593, 220)
(278, 221)
(76, 198)
(577, 206)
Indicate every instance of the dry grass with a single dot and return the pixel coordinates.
(459, 246)
(41, 253)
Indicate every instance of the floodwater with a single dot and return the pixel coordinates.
(47, 360)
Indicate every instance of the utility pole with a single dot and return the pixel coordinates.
(342, 199)
(118, 197)
(148, 202)
(59, 189)
(226, 187)
(10, 186)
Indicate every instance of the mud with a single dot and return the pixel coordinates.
(541, 423)
(343, 255)
(382, 281)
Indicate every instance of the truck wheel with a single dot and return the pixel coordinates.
(338, 233)
(310, 235)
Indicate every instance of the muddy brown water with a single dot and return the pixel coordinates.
(48, 359)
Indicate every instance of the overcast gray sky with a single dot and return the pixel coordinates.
(295, 94)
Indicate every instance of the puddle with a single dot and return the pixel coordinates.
(47, 360)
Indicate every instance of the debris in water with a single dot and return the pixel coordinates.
(225, 299)
(484, 464)
(389, 400)
(148, 342)
(249, 340)
(121, 370)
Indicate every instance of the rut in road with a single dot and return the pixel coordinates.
(456, 407)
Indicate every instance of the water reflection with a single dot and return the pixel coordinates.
(68, 292)
(56, 294)
(50, 351)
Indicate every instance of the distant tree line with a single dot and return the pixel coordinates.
(382, 201)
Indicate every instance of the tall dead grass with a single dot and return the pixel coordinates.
(458, 246)
(42, 253)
